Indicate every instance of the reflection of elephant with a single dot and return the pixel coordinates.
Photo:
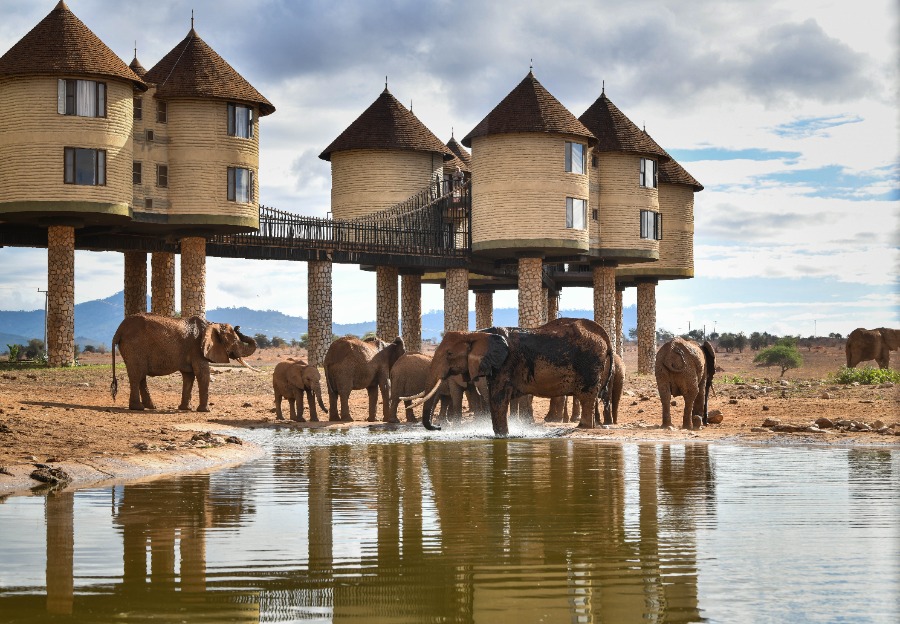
(685, 369)
(153, 345)
(353, 364)
(565, 356)
(558, 408)
(872, 344)
(291, 379)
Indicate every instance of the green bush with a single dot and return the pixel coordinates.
(733, 379)
(865, 376)
(13, 352)
(781, 355)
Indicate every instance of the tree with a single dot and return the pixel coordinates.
(757, 341)
(740, 341)
(694, 334)
(785, 356)
(278, 342)
(663, 335)
(34, 349)
(262, 341)
(632, 333)
(726, 341)
(835, 335)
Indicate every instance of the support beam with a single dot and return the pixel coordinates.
(552, 305)
(646, 327)
(387, 325)
(545, 305)
(319, 312)
(619, 329)
(531, 294)
(456, 300)
(484, 309)
(193, 276)
(411, 310)
(135, 282)
(162, 283)
(605, 300)
(60, 295)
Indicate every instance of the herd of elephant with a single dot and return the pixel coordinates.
(499, 370)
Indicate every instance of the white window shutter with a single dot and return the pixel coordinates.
(61, 97)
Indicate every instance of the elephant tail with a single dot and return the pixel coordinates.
(675, 365)
(709, 355)
(319, 399)
(114, 386)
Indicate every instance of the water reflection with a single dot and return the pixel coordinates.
(464, 531)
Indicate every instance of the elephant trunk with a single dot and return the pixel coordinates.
(428, 414)
(248, 344)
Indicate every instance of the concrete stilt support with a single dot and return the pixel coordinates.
(162, 283)
(319, 313)
(387, 321)
(484, 309)
(135, 282)
(545, 305)
(552, 305)
(193, 276)
(531, 294)
(619, 309)
(646, 326)
(456, 300)
(60, 295)
(605, 300)
(411, 311)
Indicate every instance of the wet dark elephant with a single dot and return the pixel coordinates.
(685, 369)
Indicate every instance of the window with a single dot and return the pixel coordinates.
(136, 171)
(240, 121)
(162, 112)
(651, 225)
(595, 214)
(148, 203)
(575, 213)
(162, 175)
(149, 135)
(84, 166)
(240, 185)
(84, 98)
(648, 173)
(138, 108)
(574, 157)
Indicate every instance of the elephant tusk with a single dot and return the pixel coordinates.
(255, 370)
(413, 397)
(421, 400)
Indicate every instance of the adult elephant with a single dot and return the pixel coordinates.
(152, 345)
(872, 344)
(558, 409)
(566, 356)
(685, 369)
(354, 364)
(291, 380)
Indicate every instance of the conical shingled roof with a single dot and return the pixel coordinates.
(671, 172)
(461, 158)
(61, 44)
(388, 125)
(194, 70)
(616, 133)
(529, 108)
(137, 68)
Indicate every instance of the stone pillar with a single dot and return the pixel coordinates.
(59, 512)
(531, 295)
(162, 283)
(619, 340)
(135, 282)
(545, 305)
(319, 313)
(387, 323)
(552, 305)
(456, 300)
(484, 309)
(411, 310)
(605, 300)
(193, 276)
(646, 327)
(61, 295)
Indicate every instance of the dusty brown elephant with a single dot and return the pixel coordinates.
(354, 364)
(872, 344)
(409, 376)
(291, 380)
(558, 411)
(566, 356)
(153, 345)
(685, 369)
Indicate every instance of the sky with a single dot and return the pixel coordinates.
(786, 111)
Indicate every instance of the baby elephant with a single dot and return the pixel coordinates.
(685, 369)
(290, 380)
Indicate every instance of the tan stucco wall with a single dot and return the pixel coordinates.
(619, 199)
(676, 249)
(33, 135)
(366, 181)
(519, 190)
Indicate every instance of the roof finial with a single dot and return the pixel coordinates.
(192, 19)
(385, 83)
(603, 87)
(410, 104)
(135, 48)
(530, 65)
(452, 133)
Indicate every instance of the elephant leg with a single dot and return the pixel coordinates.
(332, 403)
(135, 380)
(456, 395)
(410, 414)
(665, 398)
(298, 399)
(203, 386)
(292, 408)
(278, 414)
(311, 399)
(607, 412)
(145, 395)
(345, 407)
(884, 360)
(555, 413)
(373, 403)
(187, 386)
(576, 410)
(687, 421)
(587, 409)
(615, 409)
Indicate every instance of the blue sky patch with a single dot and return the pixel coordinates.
(810, 126)
(836, 182)
(722, 153)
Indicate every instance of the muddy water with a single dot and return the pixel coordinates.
(400, 526)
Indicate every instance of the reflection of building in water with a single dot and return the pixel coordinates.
(59, 510)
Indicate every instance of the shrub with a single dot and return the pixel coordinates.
(733, 379)
(278, 342)
(865, 376)
(13, 352)
(781, 355)
(262, 341)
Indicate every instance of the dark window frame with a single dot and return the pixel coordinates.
(138, 108)
(137, 172)
(570, 157)
(69, 173)
(148, 203)
(162, 111)
(231, 191)
(231, 112)
(642, 176)
(570, 213)
(162, 176)
(653, 223)
(71, 98)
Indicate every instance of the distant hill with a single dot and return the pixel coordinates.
(96, 322)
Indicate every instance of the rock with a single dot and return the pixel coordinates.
(843, 423)
(786, 428)
(10, 377)
(629, 393)
(815, 430)
(765, 408)
(878, 425)
(759, 430)
(862, 427)
(883, 430)
(84, 385)
(869, 401)
(31, 376)
(771, 422)
(824, 423)
(51, 475)
(855, 383)
(715, 417)
(696, 421)
(4, 428)
(634, 402)
(142, 446)
(784, 383)
(733, 401)
(233, 440)
(247, 404)
(674, 403)
(825, 395)
(640, 411)
(886, 385)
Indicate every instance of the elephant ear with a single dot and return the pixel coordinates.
(212, 346)
(710, 354)
(487, 355)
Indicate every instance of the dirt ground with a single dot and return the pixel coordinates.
(59, 415)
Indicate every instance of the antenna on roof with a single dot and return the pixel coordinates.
(135, 48)
(192, 19)
(603, 87)
(531, 65)
(452, 134)
(410, 104)
(385, 83)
